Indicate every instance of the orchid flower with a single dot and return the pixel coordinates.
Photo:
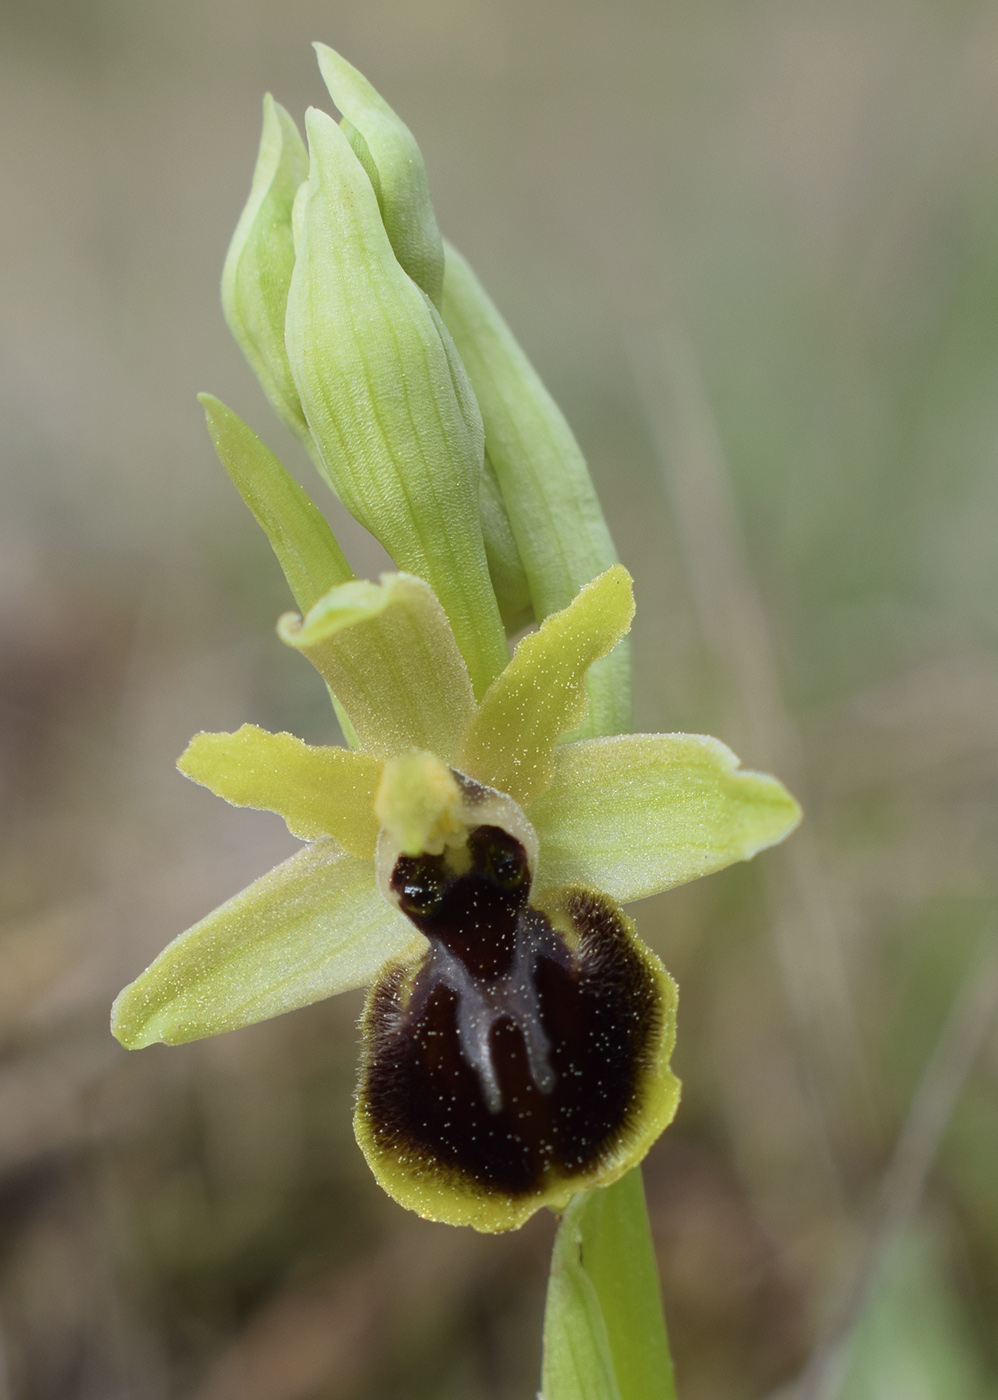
(469, 868)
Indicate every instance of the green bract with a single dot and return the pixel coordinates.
(299, 534)
(554, 514)
(604, 1334)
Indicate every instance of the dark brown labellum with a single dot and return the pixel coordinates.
(515, 1062)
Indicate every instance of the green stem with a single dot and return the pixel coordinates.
(604, 1329)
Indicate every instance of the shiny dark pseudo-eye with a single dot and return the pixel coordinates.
(524, 1055)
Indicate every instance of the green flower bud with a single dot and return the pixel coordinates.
(387, 150)
(258, 265)
(396, 427)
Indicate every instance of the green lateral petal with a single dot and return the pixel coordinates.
(299, 534)
(313, 926)
(553, 509)
(388, 151)
(319, 791)
(510, 743)
(388, 653)
(378, 391)
(260, 259)
(639, 813)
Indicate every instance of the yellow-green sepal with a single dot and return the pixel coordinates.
(553, 510)
(510, 743)
(261, 256)
(635, 814)
(314, 926)
(299, 533)
(387, 149)
(397, 439)
(387, 652)
(319, 790)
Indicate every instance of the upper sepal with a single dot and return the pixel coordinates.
(388, 653)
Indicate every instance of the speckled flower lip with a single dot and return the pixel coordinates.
(524, 1055)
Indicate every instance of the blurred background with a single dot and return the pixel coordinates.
(753, 250)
